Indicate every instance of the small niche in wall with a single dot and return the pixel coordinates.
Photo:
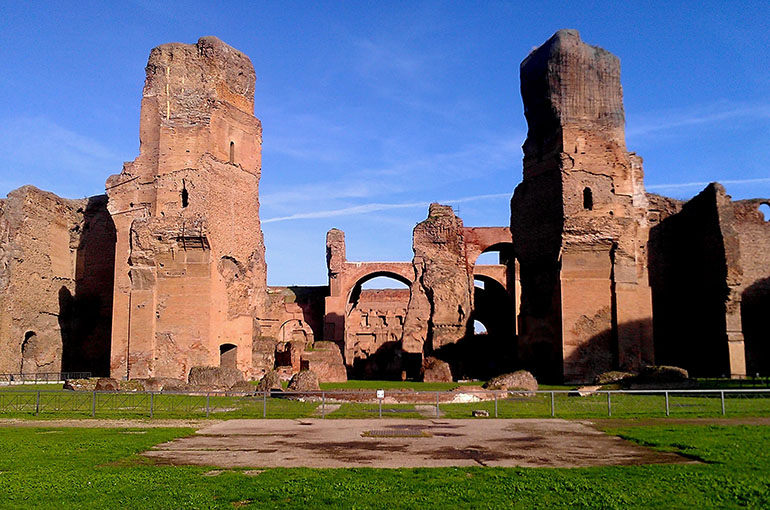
(232, 153)
(185, 195)
(588, 199)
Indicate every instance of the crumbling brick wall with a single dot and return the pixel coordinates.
(56, 270)
(190, 273)
(696, 275)
(579, 218)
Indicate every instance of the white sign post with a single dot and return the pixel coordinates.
(380, 396)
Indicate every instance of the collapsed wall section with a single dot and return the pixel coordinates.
(441, 297)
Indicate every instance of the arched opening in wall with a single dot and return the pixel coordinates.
(294, 336)
(232, 153)
(588, 199)
(28, 354)
(495, 255)
(764, 209)
(185, 195)
(374, 325)
(228, 356)
(489, 346)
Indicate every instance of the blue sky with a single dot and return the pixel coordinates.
(371, 110)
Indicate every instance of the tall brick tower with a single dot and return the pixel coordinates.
(190, 272)
(579, 218)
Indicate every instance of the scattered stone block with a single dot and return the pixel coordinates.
(271, 381)
(436, 370)
(326, 361)
(480, 413)
(214, 377)
(304, 381)
(519, 380)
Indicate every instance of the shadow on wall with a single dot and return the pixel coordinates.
(311, 301)
(688, 277)
(486, 355)
(755, 317)
(85, 318)
(596, 355)
(389, 362)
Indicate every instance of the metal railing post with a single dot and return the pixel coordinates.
(323, 404)
(668, 412)
(553, 405)
(609, 404)
(437, 410)
(264, 404)
(722, 396)
(37, 404)
(208, 406)
(93, 404)
(495, 404)
(152, 403)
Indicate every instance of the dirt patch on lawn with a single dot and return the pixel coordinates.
(352, 443)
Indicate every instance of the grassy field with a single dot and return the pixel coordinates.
(66, 404)
(99, 468)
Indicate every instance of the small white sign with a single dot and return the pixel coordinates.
(380, 394)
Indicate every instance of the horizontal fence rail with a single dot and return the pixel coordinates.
(388, 403)
(42, 377)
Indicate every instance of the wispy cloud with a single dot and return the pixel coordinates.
(680, 185)
(412, 173)
(35, 148)
(710, 114)
(374, 207)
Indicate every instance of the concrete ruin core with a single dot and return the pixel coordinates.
(167, 271)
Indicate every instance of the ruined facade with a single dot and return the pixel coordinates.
(579, 217)
(190, 273)
(167, 271)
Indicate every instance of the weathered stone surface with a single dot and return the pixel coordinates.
(214, 377)
(81, 384)
(384, 333)
(242, 387)
(270, 381)
(325, 360)
(190, 268)
(163, 384)
(436, 370)
(106, 384)
(519, 380)
(663, 374)
(169, 272)
(442, 292)
(304, 381)
(612, 377)
(579, 218)
(56, 268)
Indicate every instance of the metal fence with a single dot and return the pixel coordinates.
(42, 377)
(395, 403)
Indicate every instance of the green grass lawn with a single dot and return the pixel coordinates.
(69, 404)
(99, 468)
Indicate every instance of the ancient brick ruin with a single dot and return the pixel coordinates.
(167, 271)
